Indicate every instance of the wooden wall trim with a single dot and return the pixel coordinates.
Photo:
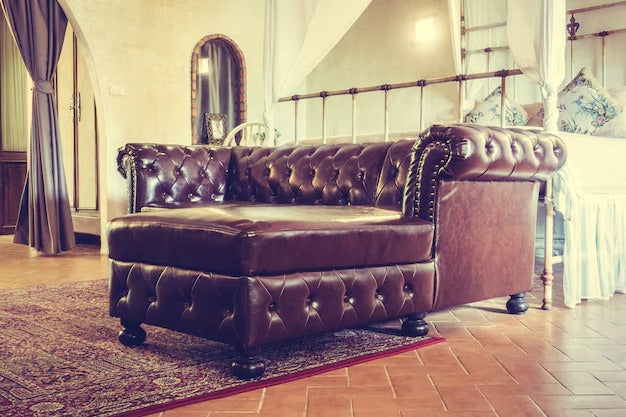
(11, 156)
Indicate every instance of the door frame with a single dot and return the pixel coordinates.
(85, 220)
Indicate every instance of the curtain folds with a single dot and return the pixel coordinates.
(537, 43)
(221, 87)
(480, 13)
(13, 100)
(454, 15)
(44, 220)
(216, 80)
(298, 36)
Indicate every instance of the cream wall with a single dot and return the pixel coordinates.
(139, 54)
(383, 47)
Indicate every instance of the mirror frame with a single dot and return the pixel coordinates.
(240, 105)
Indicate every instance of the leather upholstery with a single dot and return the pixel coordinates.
(252, 311)
(484, 243)
(244, 239)
(478, 153)
(235, 269)
(171, 176)
(175, 176)
(370, 174)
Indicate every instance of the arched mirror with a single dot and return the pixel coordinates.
(218, 92)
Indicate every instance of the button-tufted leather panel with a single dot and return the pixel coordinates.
(366, 174)
(252, 311)
(393, 175)
(244, 239)
(473, 152)
(171, 175)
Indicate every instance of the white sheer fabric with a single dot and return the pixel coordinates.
(14, 81)
(454, 14)
(590, 191)
(537, 43)
(480, 13)
(298, 35)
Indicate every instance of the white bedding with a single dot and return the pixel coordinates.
(590, 192)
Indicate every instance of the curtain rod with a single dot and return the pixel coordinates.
(598, 7)
(485, 27)
(597, 34)
(573, 11)
(574, 38)
(419, 83)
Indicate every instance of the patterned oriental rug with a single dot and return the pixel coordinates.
(59, 356)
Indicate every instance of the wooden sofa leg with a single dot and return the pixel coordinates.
(132, 334)
(415, 325)
(247, 365)
(517, 304)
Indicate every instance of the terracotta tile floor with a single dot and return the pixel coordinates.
(562, 363)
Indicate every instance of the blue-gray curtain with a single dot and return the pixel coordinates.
(44, 220)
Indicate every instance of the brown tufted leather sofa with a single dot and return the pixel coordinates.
(269, 244)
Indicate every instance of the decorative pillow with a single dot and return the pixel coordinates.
(487, 112)
(616, 127)
(585, 106)
(535, 113)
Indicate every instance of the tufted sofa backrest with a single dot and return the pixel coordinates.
(177, 176)
(366, 174)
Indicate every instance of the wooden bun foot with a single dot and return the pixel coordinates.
(415, 325)
(517, 304)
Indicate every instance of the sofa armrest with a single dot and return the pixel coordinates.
(477, 153)
(173, 175)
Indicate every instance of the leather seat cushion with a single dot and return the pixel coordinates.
(236, 239)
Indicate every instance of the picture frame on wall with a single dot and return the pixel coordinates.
(216, 128)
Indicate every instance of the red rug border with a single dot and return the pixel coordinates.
(279, 379)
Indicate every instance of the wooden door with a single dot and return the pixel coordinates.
(12, 176)
(79, 138)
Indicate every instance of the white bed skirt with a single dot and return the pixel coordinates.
(590, 192)
(595, 249)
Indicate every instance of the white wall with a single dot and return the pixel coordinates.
(382, 48)
(139, 53)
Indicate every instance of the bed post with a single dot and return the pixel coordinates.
(547, 276)
(295, 118)
(323, 95)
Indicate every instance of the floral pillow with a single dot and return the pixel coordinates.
(617, 127)
(487, 112)
(585, 106)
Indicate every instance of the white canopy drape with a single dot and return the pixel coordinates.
(536, 34)
(298, 34)
(454, 14)
(478, 13)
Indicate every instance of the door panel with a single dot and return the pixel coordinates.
(77, 124)
(12, 176)
(87, 141)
